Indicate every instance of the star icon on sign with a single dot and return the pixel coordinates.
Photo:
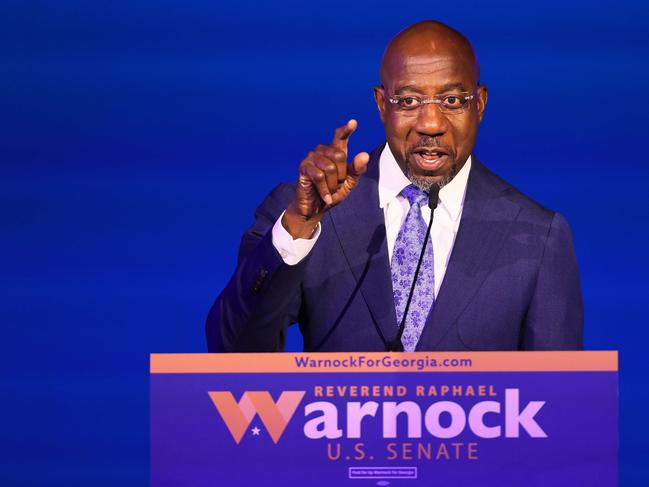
(255, 431)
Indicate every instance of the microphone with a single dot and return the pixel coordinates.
(433, 198)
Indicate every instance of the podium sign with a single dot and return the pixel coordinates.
(384, 419)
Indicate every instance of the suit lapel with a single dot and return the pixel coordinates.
(486, 218)
(360, 226)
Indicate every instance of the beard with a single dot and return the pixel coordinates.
(425, 180)
(428, 179)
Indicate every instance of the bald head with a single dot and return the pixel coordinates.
(424, 39)
(430, 101)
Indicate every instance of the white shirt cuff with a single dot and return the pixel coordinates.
(292, 251)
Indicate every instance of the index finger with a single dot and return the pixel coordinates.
(341, 135)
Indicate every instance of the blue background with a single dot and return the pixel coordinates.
(136, 140)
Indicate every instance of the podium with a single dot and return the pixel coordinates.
(385, 419)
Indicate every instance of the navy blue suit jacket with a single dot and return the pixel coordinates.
(511, 283)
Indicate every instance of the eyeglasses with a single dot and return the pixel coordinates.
(454, 103)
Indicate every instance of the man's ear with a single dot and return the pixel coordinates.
(379, 98)
(483, 95)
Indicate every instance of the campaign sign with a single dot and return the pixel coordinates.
(384, 419)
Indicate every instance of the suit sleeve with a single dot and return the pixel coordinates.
(262, 298)
(555, 318)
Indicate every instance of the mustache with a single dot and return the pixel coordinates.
(430, 143)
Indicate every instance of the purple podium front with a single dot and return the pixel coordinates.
(384, 419)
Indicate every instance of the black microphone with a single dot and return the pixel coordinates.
(396, 345)
(433, 198)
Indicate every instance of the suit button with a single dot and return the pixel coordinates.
(256, 287)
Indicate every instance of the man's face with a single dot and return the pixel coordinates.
(430, 146)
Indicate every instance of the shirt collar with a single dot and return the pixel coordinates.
(392, 181)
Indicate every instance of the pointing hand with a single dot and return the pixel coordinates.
(325, 179)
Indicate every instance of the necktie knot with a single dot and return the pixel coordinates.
(414, 195)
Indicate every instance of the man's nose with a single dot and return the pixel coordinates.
(430, 120)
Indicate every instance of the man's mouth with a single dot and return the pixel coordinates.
(429, 158)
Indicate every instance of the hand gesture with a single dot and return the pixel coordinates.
(325, 179)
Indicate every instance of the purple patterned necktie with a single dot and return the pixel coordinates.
(404, 262)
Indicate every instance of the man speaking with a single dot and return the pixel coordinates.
(417, 246)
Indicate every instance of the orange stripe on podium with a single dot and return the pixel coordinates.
(343, 362)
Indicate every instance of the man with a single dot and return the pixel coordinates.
(336, 251)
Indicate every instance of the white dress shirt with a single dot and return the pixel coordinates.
(395, 208)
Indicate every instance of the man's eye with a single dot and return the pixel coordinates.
(454, 101)
(409, 102)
